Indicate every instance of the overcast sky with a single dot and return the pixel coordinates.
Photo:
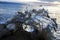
(30, 0)
(50, 0)
(20, 0)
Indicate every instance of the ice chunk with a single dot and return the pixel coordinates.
(11, 26)
(28, 28)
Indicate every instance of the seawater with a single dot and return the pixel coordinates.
(7, 10)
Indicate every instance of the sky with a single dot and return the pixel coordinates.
(50, 0)
(30, 0)
(20, 0)
(46, 1)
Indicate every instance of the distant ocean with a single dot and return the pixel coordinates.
(8, 9)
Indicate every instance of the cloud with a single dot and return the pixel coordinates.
(56, 2)
(50, 0)
(19, 0)
(30, 0)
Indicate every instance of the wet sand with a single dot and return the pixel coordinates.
(19, 35)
